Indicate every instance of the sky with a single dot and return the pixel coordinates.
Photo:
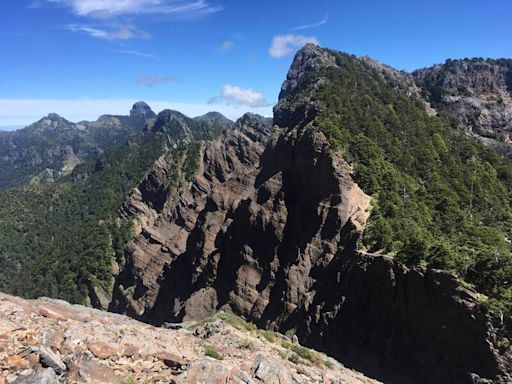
(85, 58)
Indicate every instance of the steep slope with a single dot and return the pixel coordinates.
(272, 227)
(477, 93)
(50, 341)
(50, 148)
(168, 227)
(61, 239)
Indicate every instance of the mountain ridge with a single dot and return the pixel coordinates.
(290, 258)
(362, 220)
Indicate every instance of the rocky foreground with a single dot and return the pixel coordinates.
(50, 341)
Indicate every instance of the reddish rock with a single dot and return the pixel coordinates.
(96, 373)
(130, 350)
(17, 363)
(51, 314)
(33, 360)
(101, 350)
(57, 340)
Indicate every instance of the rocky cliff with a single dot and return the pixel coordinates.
(270, 228)
(477, 93)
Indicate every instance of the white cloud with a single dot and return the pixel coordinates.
(232, 94)
(227, 46)
(284, 45)
(312, 25)
(151, 81)
(22, 112)
(135, 53)
(126, 32)
(113, 8)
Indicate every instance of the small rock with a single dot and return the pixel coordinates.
(130, 350)
(268, 372)
(33, 359)
(55, 341)
(207, 371)
(50, 359)
(47, 312)
(101, 350)
(44, 376)
(174, 326)
(172, 360)
(95, 372)
(17, 363)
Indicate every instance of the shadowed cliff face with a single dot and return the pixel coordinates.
(270, 227)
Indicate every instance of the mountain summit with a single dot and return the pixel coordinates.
(142, 110)
(363, 260)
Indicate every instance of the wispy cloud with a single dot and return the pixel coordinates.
(284, 45)
(151, 81)
(312, 25)
(113, 8)
(227, 46)
(135, 53)
(34, 4)
(232, 94)
(126, 32)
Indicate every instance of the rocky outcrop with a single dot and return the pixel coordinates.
(142, 110)
(477, 93)
(270, 228)
(291, 111)
(227, 166)
(49, 342)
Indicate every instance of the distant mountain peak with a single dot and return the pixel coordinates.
(54, 116)
(215, 118)
(142, 109)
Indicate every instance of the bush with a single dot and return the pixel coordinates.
(211, 352)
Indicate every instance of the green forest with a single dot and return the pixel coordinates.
(439, 198)
(60, 239)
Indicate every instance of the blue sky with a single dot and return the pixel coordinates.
(83, 58)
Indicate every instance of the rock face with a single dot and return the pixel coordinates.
(82, 345)
(141, 109)
(228, 165)
(477, 93)
(270, 228)
(290, 112)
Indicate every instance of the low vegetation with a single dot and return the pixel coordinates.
(212, 352)
(296, 353)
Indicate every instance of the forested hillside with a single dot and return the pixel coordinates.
(52, 147)
(60, 239)
(440, 199)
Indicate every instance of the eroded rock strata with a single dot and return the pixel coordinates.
(270, 227)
